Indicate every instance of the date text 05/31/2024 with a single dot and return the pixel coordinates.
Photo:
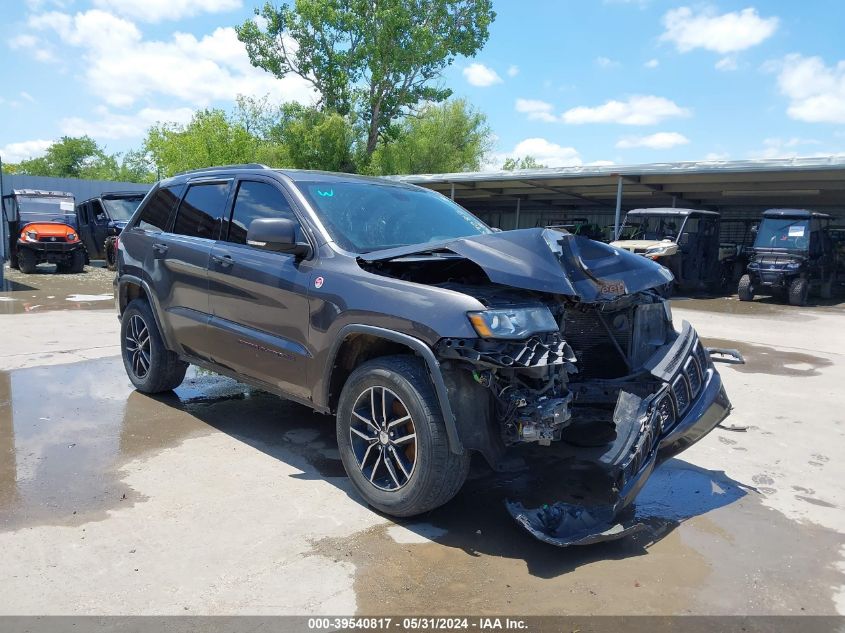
(417, 624)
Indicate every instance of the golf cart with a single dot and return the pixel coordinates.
(686, 241)
(101, 219)
(43, 228)
(792, 253)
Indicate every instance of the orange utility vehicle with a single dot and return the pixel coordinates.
(43, 228)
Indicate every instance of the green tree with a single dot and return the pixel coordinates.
(527, 162)
(443, 138)
(376, 60)
(316, 139)
(82, 157)
(66, 158)
(210, 138)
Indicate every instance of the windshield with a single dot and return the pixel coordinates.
(363, 217)
(785, 233)
(652, 227)
(45, 209)
(122, 208)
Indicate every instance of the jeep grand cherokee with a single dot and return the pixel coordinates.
(428, 335)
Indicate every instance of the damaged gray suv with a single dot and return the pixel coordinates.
(426, 333)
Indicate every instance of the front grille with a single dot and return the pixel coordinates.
(666, 414)
(681, 393)
(52, 238)
(702, 356)
(693, 375)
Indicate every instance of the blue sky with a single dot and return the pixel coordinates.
(570, 82)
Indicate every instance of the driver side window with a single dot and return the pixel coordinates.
(258, 200)
(100, 216)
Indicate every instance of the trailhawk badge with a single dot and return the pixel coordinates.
(318, 282)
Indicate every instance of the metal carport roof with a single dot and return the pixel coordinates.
(732, 187)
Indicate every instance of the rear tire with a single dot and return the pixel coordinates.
(798, 292)
(151, 367)
(745, 289)
(398, 486)
(27, 261)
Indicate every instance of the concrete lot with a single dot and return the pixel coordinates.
(222, 499)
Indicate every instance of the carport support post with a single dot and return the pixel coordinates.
(452, 193)
(618, 208)
(516, 222)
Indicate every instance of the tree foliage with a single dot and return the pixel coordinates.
(374, 60)
(82, 157)
(449, 137)
(211, 138)
(316, 139)
(527, 162)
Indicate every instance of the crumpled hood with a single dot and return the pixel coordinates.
(547, 260)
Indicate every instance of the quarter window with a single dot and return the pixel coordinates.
(200, 210)
(156, 213)
(257, 200)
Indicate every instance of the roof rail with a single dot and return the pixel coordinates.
(219, 167)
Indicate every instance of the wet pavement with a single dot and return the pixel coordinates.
(47, 290)
(220, 498)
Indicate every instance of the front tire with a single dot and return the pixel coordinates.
(111, 254)
(745, 290)
(77, 262)
(27, 261)
(151, 367)
(798, 289)
(392, 438)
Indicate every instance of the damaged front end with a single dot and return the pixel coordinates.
(604, 380)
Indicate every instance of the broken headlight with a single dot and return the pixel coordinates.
(513, 322)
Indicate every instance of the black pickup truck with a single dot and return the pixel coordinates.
(102, 218)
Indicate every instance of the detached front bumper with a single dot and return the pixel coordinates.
(646, 436)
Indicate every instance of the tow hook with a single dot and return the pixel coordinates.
(722, 355)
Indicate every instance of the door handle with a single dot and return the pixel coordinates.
(223, 260)
(159, 249)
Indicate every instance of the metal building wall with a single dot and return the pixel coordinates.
(81, 189)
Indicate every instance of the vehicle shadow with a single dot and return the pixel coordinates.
(476, 521)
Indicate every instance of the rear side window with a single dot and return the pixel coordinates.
(256, 200)
(200, 210)
(155, 215)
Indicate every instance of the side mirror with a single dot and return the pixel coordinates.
(276, 234)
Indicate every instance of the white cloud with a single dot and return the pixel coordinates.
(816, 91)
(536, 110)
(787, 148)
(481, 76)
(652, 63)
(16, 152)
(513, 70)
(27, 97)
(121, 66)
(39, 49)
(547, 153)
(727, 63)
(659, 140)
(637, 110)
(726, 33)
(606, 62)
(158, 10)
(109, 125)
